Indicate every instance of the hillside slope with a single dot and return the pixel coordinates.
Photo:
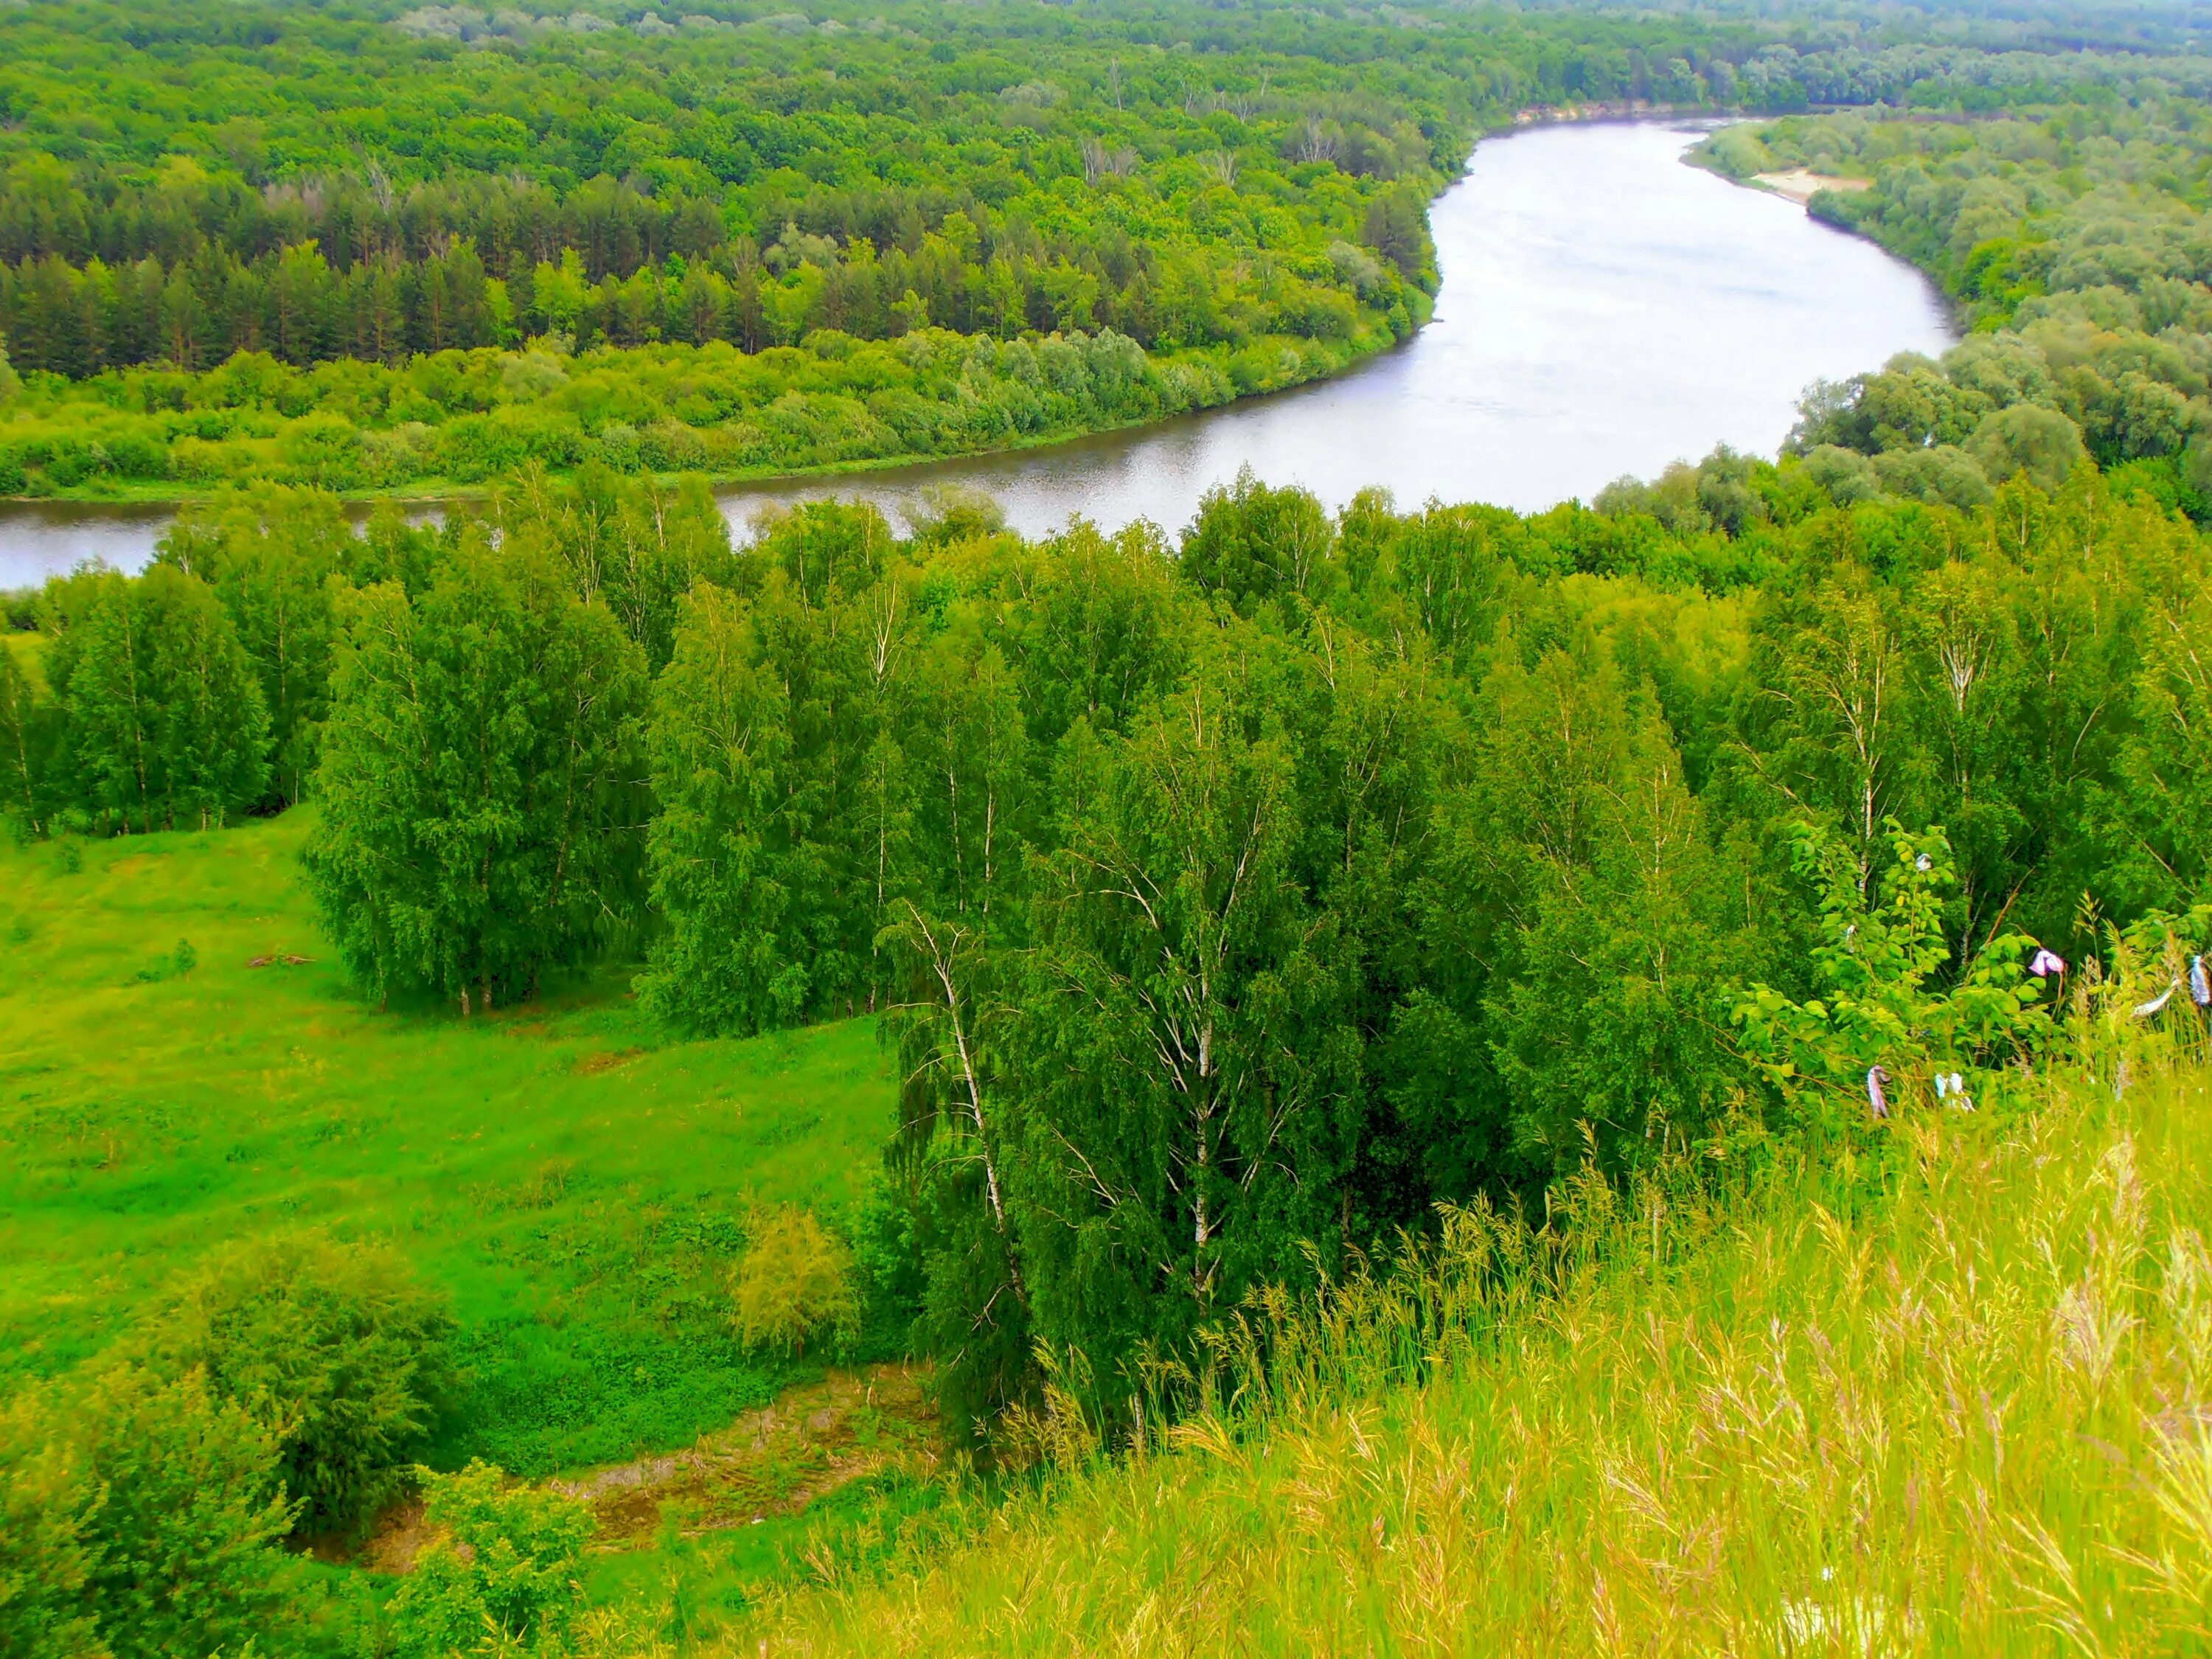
(182, 1064)
(1942, 1392)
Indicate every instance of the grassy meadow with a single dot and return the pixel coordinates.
(573, 1180)
(1938, 1393)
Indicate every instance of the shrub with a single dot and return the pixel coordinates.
(1881, 1006)
(47, 1501)
(505, 1566)
(138, 1516)
(795, 1280)
(138, 455)
(334, 1348)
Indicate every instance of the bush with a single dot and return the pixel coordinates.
(138, 1516)
(332, 1347)
(504, 1567)
(795, 1280)
(1881, 1004)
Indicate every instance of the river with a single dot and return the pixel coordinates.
(1605, 310)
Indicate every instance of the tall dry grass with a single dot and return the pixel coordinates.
(1940, 1392)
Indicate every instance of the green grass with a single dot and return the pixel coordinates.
(27, 649)
(1948, 1391)
(575, 1179)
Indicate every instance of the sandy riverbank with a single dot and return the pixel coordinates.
(1800, 183)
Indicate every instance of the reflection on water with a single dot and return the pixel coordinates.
(1605, 310)
(38, 538)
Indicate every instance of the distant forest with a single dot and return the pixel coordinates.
(2071, 238)
(370, 248)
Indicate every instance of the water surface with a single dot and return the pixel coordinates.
(1605, 310)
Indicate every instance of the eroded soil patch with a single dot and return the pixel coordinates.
(773, 1462)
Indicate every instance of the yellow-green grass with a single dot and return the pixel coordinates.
(573, 1178)
(1946, 1396)
(26, 649)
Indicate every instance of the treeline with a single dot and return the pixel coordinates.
(971, 201)
(727, 97)
(298, 307)
(1236, 898)
(465, 418)
(197, 693)
(2071, 237)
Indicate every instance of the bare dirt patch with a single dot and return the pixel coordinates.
(400, 1532)
(607, 1059)
(773, 1462)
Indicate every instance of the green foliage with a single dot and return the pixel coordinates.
(771, 856)
(777, 244)
(1252, 545)
(1410, 1454)
(270, 556)
(718, 854)
(1237, 908)
(164, 722)
(1881, 941)
(179, 962)
(142, 1519)
(1230, 919)
(46, 1504)
(26, 738)
(2165, 762)
(503, 1568)
(795, 1280)
(335, 1348)
(480, 801)
(2063, 230)
(1582, 826)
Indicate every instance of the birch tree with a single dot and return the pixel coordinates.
(1156, 1108)
(482, 811)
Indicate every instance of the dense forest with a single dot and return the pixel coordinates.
(372, 250)
(1363, 862)
(2070, 238)
(1235, 906)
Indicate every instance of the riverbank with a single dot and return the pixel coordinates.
(1604, 310)
(827, 409)
(450, 425)
(840, 408)
(1802, 184)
